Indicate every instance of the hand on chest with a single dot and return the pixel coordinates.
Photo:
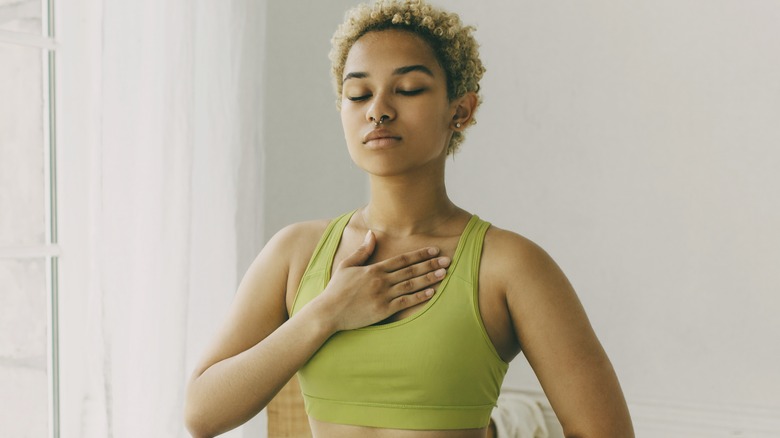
(388, 247)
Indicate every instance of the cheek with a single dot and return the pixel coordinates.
(435, 113)
(351, 124)
(347, 123)
(437, 121)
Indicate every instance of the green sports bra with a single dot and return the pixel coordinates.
(436, 369)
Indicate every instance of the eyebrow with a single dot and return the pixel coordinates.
(399, 71)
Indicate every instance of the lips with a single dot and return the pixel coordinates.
(379, 134)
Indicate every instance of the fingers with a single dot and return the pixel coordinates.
(413, 275)
(408, 259)
(418, 269)
(418, 283)
(363, 252)
(409, 300)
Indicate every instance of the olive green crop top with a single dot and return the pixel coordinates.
(436, 369)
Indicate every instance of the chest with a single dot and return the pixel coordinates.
(492, 308)
(387, 248)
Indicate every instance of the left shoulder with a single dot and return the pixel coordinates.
(511, 244)
(518, 261)
(556, 337)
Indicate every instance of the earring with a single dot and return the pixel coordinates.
(457, 124)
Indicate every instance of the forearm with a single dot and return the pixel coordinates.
(232, 391)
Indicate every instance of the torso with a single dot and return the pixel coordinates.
(322, 429)
(492, 305)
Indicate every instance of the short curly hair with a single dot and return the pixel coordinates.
(453, 44)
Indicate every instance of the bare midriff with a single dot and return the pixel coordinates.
(321, 429)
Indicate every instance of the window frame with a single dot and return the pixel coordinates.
(49, 251)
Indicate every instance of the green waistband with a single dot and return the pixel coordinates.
(398, 417)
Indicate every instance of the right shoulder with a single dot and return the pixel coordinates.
(297, 241)
(294, 245)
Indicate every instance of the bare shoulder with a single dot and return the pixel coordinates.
(291, 248)
(300, 233)
(538, 297)
(518, 261)
(297, 240)
(508, 243)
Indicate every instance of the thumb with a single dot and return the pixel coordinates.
(363, 252)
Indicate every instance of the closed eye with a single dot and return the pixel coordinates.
(411, 92)
(358, 98)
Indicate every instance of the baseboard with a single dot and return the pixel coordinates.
(658, 418)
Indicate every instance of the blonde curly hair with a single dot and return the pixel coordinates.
(455, 48)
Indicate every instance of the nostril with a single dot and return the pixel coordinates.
(380, 121)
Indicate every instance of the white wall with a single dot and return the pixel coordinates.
(638, 145)
(309, 173)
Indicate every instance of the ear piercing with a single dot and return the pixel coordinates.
(457, 124)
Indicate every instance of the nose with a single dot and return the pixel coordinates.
(380, 110)
(379, 121)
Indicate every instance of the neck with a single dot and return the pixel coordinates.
(406, 205)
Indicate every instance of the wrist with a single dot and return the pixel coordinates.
(317, 313)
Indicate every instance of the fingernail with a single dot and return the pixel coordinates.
(433, 251)
(444, 262)
(429, 292)
(368, 237)
(440, 273)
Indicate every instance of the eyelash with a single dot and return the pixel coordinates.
(401, 92)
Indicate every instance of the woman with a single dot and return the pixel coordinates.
(402, 316)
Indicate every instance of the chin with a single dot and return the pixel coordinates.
(381, 169)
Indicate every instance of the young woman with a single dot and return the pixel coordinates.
(401, 317)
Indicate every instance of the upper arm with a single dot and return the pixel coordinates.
(259, 306)
(560, 344)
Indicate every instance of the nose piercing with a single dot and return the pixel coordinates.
(380, 121)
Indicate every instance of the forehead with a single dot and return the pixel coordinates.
(383, 51)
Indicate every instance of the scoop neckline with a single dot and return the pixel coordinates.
(450, 270)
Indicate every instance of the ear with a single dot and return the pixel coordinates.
(463, 109)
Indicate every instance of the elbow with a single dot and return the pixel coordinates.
(204, 419)
(195, 424)
(195, 419)
(195, 430)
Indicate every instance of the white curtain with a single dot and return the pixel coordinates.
(173, 205)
